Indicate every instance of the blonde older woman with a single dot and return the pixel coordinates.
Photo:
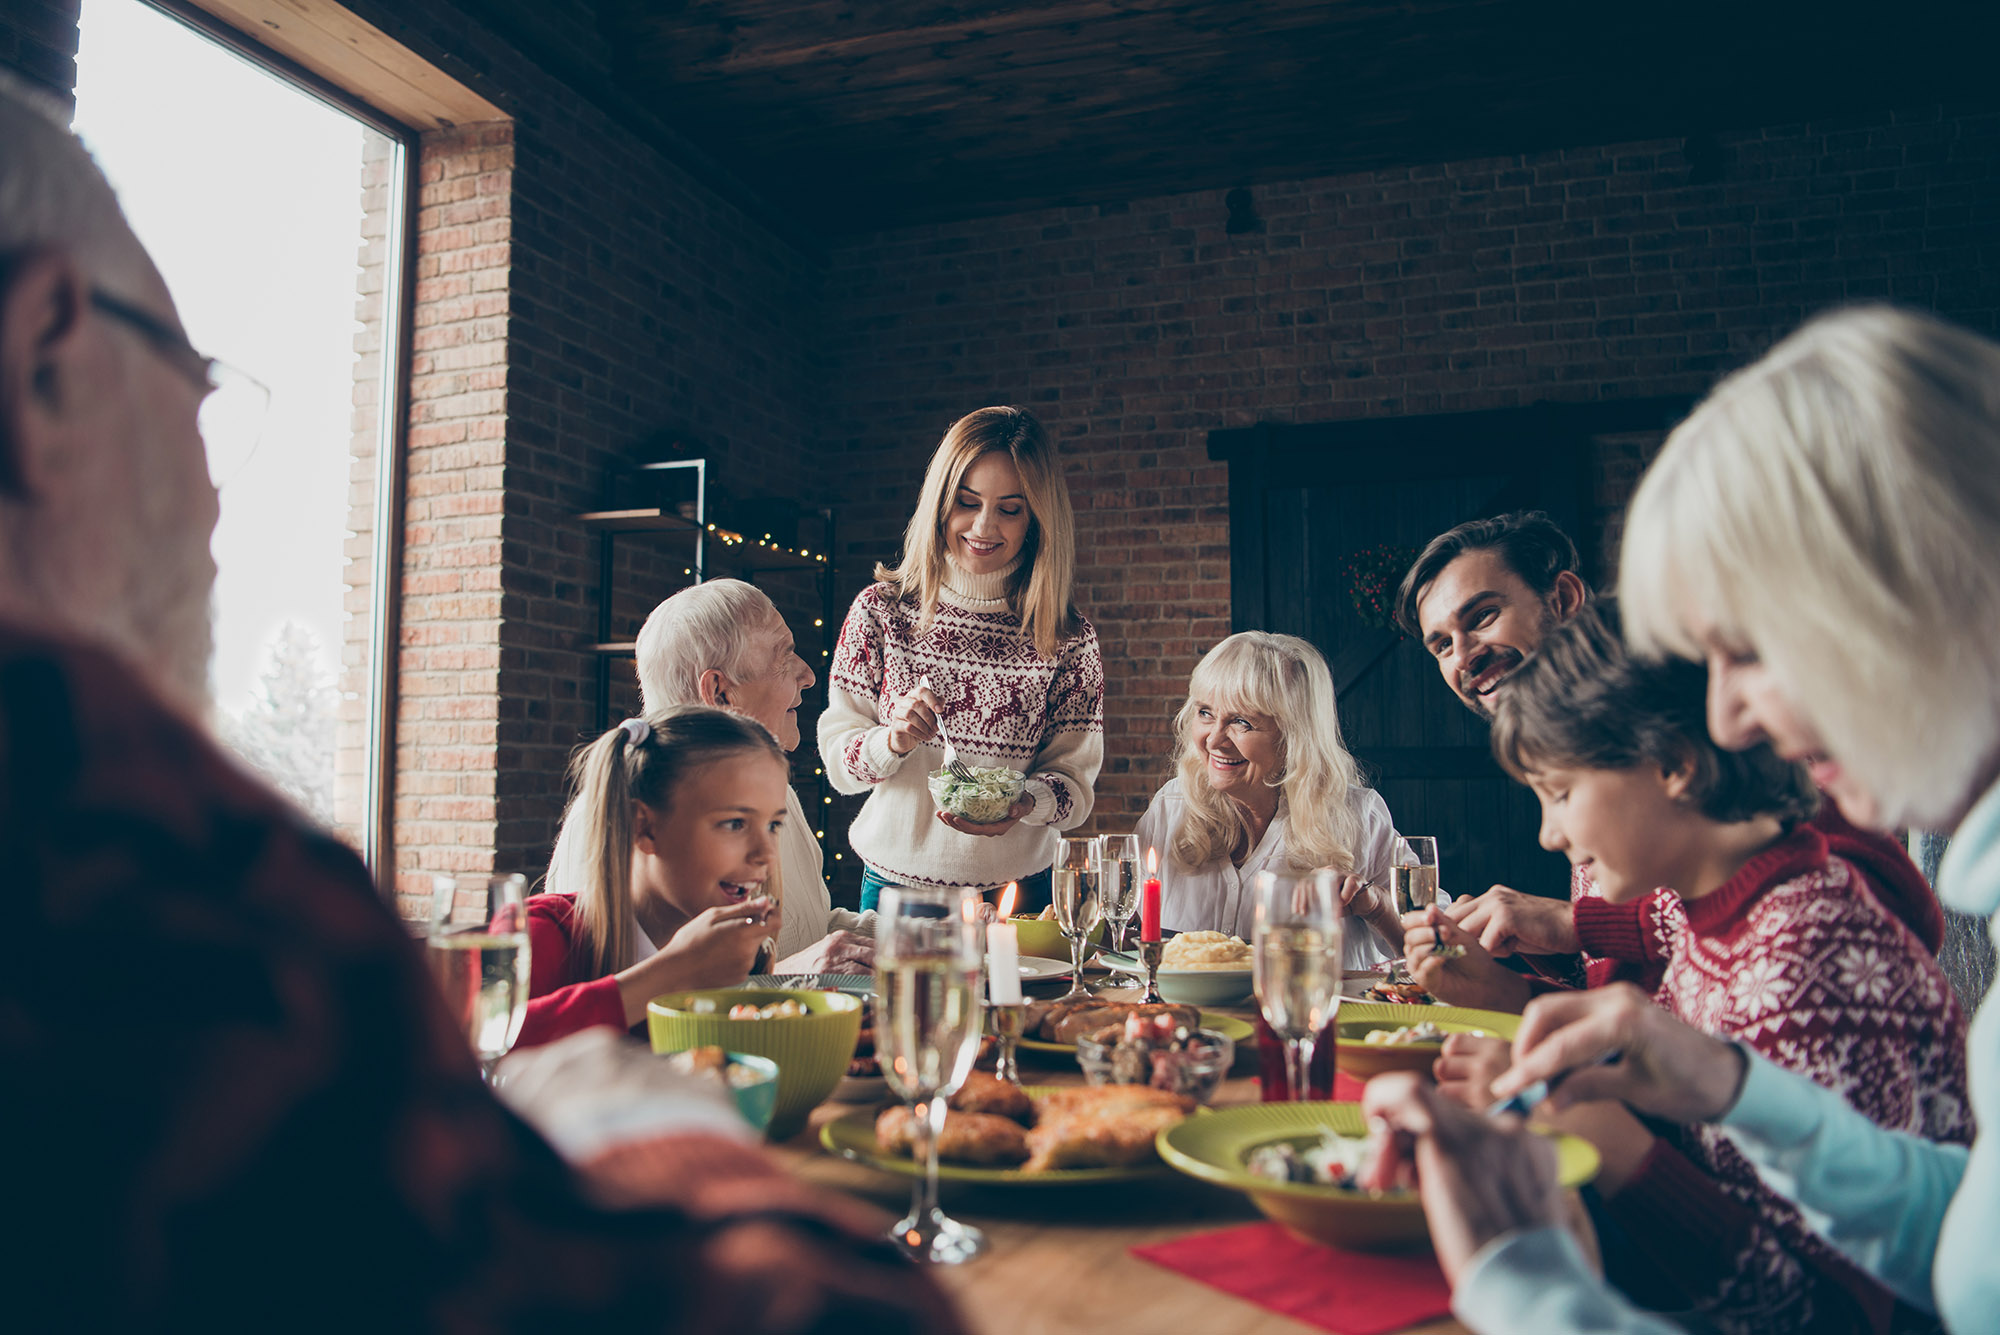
(1823, 533)
(1266, 785)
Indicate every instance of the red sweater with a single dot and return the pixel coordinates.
(562, 997)
(1797, 957)
(1618, 945)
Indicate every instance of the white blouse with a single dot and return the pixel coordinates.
(1219, 898)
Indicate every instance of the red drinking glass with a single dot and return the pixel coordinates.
(1273, 1084)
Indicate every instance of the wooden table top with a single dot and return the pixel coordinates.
(1058, 1258)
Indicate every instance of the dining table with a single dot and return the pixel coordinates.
(1059, 1258)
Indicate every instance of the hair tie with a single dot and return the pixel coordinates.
(637, 731)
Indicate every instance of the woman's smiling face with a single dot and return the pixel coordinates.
(1242, 751)
(988, 519)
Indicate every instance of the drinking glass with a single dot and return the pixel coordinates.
(1414, 876)
(478, 952)
(1296, 964)
(1118, 887)
(1079, 905)
(928, 1015)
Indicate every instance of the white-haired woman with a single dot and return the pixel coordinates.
(1823, 532)
(973, 638)
(1265, 784)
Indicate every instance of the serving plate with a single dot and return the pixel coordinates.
(853, 1137)
(1238, 1031)
(854, 984)
(1192, 987)
(1215, 1149)
(1036, 969)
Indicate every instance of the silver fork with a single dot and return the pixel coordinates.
(953, 766)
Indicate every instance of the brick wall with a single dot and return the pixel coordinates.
(583, 304)
(1135, 329)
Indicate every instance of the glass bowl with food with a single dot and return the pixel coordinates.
(984, 799)
(1153, 1050)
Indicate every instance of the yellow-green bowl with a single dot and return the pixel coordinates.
(811, 1050)
(1041, 936)
(1363, 1060)
(1216, 1148)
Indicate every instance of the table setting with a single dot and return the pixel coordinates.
(1108, 1141)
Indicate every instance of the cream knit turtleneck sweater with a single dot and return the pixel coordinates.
(1003, 705)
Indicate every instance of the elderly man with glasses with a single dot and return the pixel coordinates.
(240, 1099)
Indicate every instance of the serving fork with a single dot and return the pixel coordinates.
(953, 766)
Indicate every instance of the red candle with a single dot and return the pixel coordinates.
(1149, 898)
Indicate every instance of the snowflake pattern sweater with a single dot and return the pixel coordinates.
(1004, 704)
(1796, 957)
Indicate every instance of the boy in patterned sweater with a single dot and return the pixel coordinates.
(1767, 937)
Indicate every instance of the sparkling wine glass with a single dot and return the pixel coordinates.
(1118, 887)
(478, 952)
(1079, 906)
(1296, 963)
(928, 1015)
(1414, 877)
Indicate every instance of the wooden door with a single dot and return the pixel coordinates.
(1305, 501)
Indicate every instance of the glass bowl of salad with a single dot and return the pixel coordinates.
(985, 799)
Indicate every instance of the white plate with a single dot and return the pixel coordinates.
(1035, 969)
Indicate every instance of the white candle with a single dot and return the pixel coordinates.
(1003, 963)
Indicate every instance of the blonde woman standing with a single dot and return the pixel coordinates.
(1265, 784)
(972, 636)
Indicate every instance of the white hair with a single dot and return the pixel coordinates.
(709, 625)
(1835, 509)
(53, 194)
(1285, 678)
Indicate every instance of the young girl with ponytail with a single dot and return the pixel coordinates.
(678, 818)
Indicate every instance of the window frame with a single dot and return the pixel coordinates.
(392, 427)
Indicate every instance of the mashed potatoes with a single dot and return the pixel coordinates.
(1205, 950)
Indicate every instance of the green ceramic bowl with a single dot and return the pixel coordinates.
(1216, 1148)
(1041, 936)
(1363, 1060)
(811, 1050)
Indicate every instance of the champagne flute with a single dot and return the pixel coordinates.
(1118, 886)
(478, 952)
(1414, 877)
(1079, 906)
(928, 1016)
(1296, 963)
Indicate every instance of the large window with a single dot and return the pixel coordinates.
(277, 217)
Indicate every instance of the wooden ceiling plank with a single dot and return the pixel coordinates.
(353, 54)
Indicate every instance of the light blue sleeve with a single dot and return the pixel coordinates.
(1878, 1196)
(1535, 1282)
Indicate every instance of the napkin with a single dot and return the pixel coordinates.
(1348, 1293)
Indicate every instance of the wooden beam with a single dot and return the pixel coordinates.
(358, 57)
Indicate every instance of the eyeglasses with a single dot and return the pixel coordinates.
(233, 403)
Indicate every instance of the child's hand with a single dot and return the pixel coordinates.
(1449, 963)
(719, 946)
(1508, 922)
(913, 720)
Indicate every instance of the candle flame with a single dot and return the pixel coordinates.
(1152, 862)
(1009, 897)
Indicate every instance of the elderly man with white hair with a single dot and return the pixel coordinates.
(222, 1049)
(724, 644)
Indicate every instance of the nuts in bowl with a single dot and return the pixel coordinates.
(985, 799)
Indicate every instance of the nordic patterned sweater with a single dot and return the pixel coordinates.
(1004, 705)
(1797, 958)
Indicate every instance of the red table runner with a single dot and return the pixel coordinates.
(1348, 1293)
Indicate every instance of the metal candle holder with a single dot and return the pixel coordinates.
(1149, 955)
(1006, 1022)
